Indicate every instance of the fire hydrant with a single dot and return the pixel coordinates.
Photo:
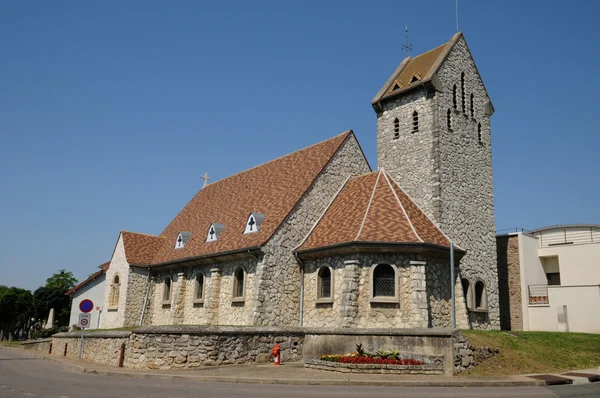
(276, 352)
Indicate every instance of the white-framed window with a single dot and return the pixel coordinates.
(214, 231)
(115, 289)
(253, 223)
(239, 284)
(182, 239)
(384, 283)
(199, 287)
(325, 284)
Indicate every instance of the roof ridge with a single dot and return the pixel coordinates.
(324, 211)
(141, 233)
(425, 214)
(347, 132)
(369, 205)
(403, 209)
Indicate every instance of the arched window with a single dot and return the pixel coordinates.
(238, 284)
(449, 119)
(324, 283)
(462, 92)
(415, 122)
(472, 105)
(479, 132)
(115, 288)
(396, 128)
(454, 101)
(199, 288)
(167, 290)
(466, 285)
(384, 281)
(480, 296)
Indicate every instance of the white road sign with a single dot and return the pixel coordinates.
(85, 320)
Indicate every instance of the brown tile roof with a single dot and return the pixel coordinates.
(417, 68)
(141, 248)
(103, 268)
(373, 208)
(415, 71)
(272, 189)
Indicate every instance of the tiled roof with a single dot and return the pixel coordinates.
(103, 268)
(373, 208)
(272, 189)
(415, 71)
(141, 248)
(417, 68)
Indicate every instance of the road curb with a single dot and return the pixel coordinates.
(287, 381)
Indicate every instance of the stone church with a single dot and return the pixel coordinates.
(318, 239)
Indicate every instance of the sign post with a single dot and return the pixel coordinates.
(85, 318)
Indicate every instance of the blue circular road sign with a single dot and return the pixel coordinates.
(86, 305)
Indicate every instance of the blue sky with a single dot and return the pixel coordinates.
(111, 111)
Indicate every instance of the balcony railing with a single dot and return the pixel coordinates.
(538, 295)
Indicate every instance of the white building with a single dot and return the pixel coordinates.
(550, 279)
(92, 289)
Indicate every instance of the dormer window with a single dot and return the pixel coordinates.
(253, 223)
(214, 231)
(416, 77)
(182, 239)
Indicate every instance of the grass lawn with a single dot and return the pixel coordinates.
(534, 352)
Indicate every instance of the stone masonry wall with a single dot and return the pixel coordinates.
(99, 347)
(278, 287)
(136, 293)
(192, 348)
(114, 317)
(448, 173)
(465, 175)
(424, 293)
(408, 157)
(509, 282)
(217, 307)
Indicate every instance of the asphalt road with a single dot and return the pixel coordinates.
(22, 375)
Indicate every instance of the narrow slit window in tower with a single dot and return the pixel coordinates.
(479, 132)
(462, 92)
(454, 102)
(415, 122)
(396, 128)
(449, 119)
(472, 105)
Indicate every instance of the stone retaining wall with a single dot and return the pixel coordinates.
(171, 347)
(194, 346)
(38, 345)
(427, 369)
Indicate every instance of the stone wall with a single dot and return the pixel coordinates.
(423, 291)
(448, 172)
(136, 293)
(192, 347)
(99, 347)
(278, 286)
(509, 282)
(465, 176)
(171, 347)
(216, 308)
(114, 317)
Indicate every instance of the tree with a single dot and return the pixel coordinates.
(52, 295)
(16, 308)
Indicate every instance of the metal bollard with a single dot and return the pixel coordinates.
(50, 348)
(122, 355)
(65, 350)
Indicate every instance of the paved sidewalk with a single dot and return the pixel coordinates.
(295, 373)
(288, 373)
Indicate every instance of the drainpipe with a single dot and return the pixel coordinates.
(145, 300)
(301, 289)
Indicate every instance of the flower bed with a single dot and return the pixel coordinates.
(382, 361)
(367, 360)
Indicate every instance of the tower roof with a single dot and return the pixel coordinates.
(373, 208)
(414, 72)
